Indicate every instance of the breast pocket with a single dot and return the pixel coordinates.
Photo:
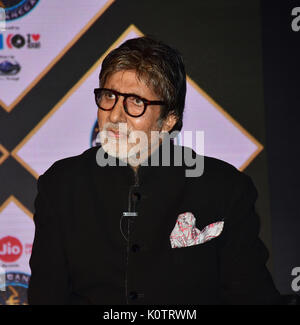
(193, 256)
(193, 265)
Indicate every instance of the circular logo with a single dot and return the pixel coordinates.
(13, 291)
(15, 9)
(10, 249)
(18, 41)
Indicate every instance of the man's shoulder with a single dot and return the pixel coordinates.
(221, 179)
(220, 169)
(228, 177)
(218, 172)
(72, 165)
(211, 165)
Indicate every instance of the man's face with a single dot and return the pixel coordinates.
(126, 81)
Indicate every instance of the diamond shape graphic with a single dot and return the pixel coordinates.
(44, 36)
(66, 130)
(16, 221)
(224, 137)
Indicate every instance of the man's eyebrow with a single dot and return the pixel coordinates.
(131, 93)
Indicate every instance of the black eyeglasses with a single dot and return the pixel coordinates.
(134, 105)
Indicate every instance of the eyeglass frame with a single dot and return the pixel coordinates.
(118, 94)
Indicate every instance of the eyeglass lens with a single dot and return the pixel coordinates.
(107, 99)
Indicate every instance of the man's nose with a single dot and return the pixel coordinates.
(117, 114)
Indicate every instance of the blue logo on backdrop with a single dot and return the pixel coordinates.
(9, 67)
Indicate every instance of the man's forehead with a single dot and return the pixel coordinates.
(129, 81)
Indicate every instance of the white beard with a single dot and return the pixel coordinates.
(114, 147)
(118, 147)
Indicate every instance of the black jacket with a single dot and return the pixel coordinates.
(80, 253)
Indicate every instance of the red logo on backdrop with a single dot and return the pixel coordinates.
(35, 37)
(10, 249)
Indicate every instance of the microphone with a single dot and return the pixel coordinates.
(134, 197)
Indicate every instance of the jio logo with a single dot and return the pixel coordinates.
(10, 249)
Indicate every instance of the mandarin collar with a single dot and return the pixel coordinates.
(154, 165)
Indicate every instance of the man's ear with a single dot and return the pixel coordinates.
(169, 122)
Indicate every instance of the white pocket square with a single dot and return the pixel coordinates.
(186, 234)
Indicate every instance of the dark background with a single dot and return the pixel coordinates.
(243, 54)
(281, 61)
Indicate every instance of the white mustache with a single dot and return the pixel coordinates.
(121, 128)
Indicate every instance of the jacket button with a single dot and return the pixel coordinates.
(133, 295)
(135, 248)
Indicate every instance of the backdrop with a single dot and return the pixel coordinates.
(50, 58)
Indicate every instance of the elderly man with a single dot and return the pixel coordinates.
(119, 225)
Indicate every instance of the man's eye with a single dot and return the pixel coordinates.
(109, 95)
(137, 101)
